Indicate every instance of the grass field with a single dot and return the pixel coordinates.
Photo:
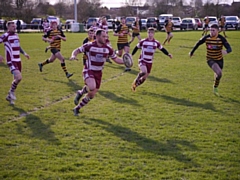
(171, 128)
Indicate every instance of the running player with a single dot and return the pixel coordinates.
(97, 53)
(148, 47)
(12, 50)
(214, 44)
(136, 31)
(90, 38)
(206, 26)
(46, 28)
(54, 37)
(168, 30)
(122, 32)
(222, 21)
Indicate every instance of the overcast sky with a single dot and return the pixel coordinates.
(119, 3)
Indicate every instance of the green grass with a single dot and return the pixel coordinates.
(172, 127)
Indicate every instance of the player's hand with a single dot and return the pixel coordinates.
(26, 55)
(1, 59)
(170, 56)
(73, 58)
(121, 34)
(224, 52)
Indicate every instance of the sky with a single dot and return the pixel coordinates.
(119, 3)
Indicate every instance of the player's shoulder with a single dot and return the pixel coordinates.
(221, 37)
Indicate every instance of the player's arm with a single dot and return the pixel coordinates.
(78, 51)
(118, 60)
(62, 36)
(226, 45)
(161, 48)
(200, 42)
(45, 37)
(24, 53)
(116, 33)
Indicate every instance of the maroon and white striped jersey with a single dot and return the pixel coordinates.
(95, 28)
(96, 55)
(12, 46)
(46, 27)
(148, 49)
(104, 26)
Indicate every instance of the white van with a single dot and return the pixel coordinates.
(162, 18)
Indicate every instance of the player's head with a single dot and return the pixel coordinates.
(123, 20)
(11, 26)
(214, 30)
(54, 24)
(151, 32)
(91, 33)
(101, 36)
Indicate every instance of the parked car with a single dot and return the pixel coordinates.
(152, 22)
(144, 23)
(23, 24)
(176, 21)
(110, 24)
(90, 21)
(188, 23)
(68, 23)
(130, 21)
(55, 19)
(36, 23)
(212, 20)
(162, 18)
(232, 22)
(199, 22)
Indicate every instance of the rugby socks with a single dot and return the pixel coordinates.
(45, 62)
(216, 82)
(83, 91)
(84, 102)
(63, 65)
(13, 86)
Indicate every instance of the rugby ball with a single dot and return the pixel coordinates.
(127, 59)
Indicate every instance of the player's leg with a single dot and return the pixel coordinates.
(63, 65)
(166, 38)
(17, 77)
(217, 69)
(90, 90)
(170, 37)
(224, 30)
(141, 77)
(139, 38)
(47, 61)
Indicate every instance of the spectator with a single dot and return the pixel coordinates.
(140, 24)
(5, 25)
(18, 26)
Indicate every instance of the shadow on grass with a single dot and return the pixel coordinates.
(3, 65)
(38, 128)
(169, 148)
(70, 83)
(150, 77)
(185, 102)
(114, 97)
(230, 100)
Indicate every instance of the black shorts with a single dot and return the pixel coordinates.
(54, 50)
(206, 26)
(135, 34)
(219, 62)
(121, 46)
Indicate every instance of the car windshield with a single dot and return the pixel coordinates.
(231, 18)
(212, 19)
(187, 21)
(176, 19)
(151, 20)
(143, 20)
